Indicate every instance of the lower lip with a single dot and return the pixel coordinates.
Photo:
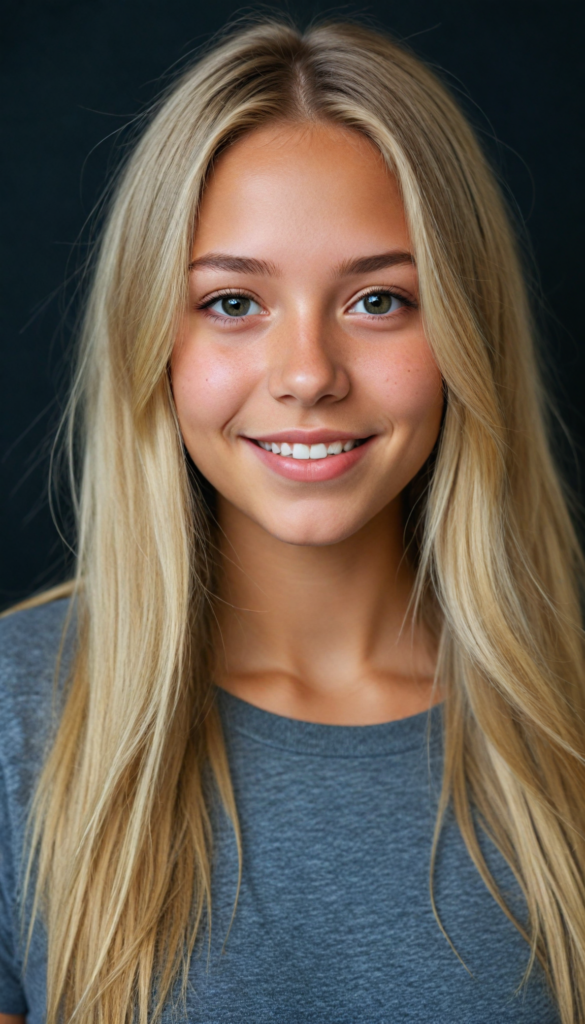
(311, 470)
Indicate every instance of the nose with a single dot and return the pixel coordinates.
(307, 367)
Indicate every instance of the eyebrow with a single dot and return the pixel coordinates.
(234, 264)
(370, 264)
(250, 265)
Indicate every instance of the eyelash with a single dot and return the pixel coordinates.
(393, 292)
(223, 295)
(205, 305)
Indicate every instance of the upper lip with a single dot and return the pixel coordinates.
(308, 437)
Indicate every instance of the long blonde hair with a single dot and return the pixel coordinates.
(121, 835)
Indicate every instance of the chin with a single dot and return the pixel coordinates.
(311, 531)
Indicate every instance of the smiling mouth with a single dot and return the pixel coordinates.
(313, 451)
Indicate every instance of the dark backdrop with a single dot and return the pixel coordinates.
(74, 72)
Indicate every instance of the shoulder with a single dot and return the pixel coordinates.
(30, 636)
(27, 632)
(30, 648)
(30, 643)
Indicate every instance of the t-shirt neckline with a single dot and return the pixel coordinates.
(293, 734)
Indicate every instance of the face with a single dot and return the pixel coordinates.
(305, 388)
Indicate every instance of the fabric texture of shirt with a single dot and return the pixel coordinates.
(334, 923)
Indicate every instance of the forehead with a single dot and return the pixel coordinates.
(301, 185)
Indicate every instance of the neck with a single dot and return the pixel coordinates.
(321, 633)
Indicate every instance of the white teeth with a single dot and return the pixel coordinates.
(318, 451)
(301, 451)
(305, 451)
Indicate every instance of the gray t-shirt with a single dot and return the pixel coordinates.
(334, 922)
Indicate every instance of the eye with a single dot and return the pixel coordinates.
(234, 306)
(378, 303)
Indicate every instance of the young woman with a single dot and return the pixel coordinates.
(315, 748)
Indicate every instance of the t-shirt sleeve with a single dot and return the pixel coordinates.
(12, 998)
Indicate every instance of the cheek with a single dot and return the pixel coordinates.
(209, 387)
(408, 385)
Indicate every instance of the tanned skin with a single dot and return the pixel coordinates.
(297, 224)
